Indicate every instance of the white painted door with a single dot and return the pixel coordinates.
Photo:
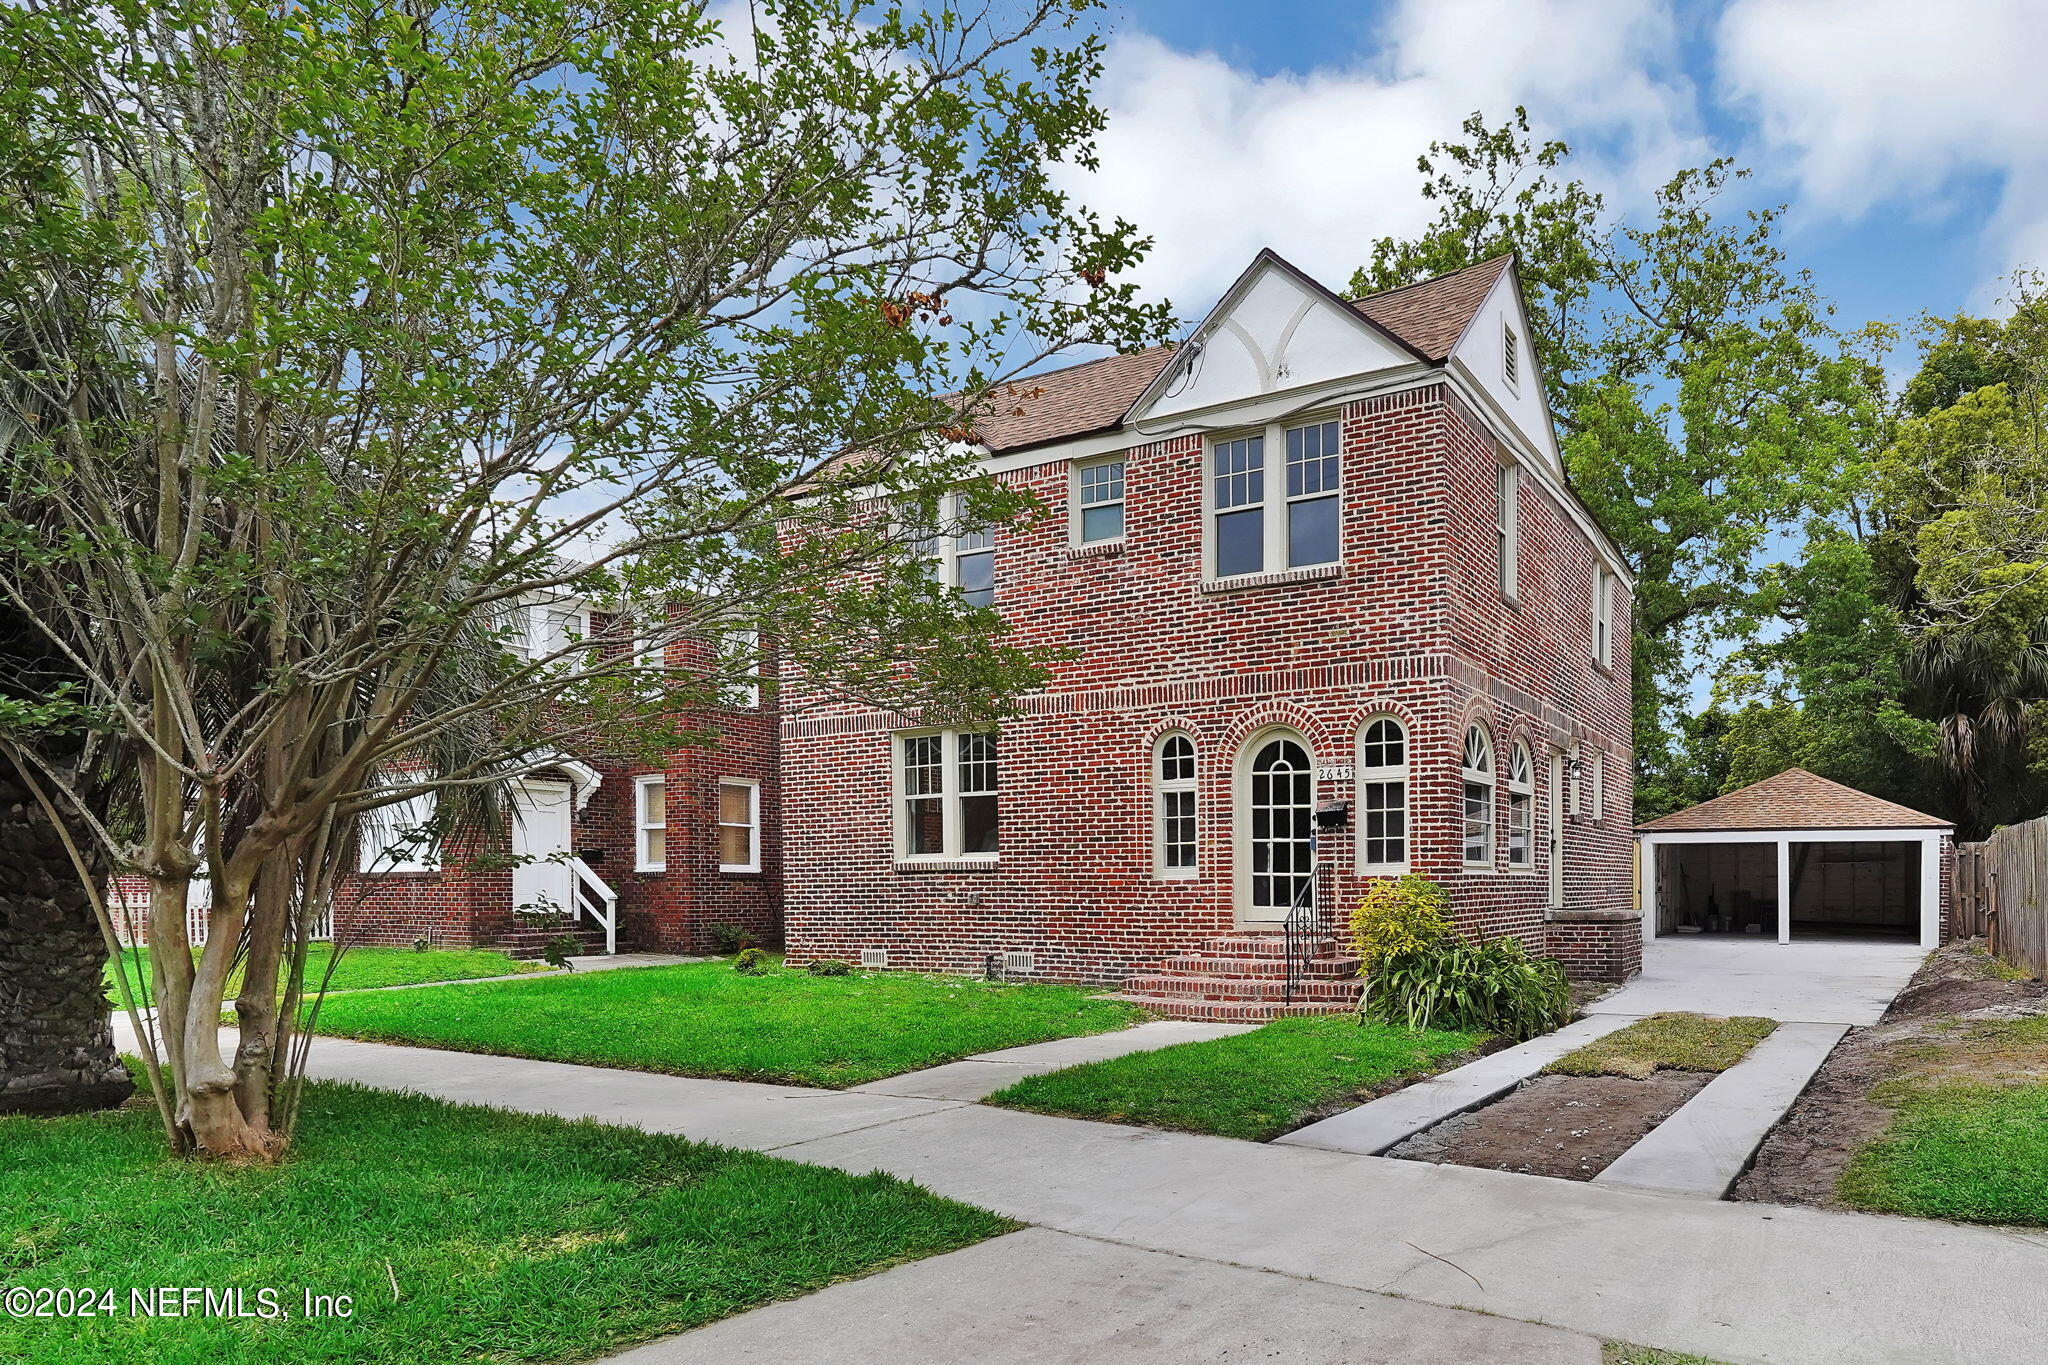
(540, 840)
(1554, 822)
(1278, 821)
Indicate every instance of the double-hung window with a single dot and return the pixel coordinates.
(946, 794)
(739, 825)
(1173, 806)
(1261, 525)
(1099, 501)
(1383, 795)
(739, 667)
(1508, 531)
(543, 628)
(400, 837)
(1478, 775)
(964, 557)
(650, 824)
(1521, 810)
(1603, 616)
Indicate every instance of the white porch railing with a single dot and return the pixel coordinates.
(589, 895)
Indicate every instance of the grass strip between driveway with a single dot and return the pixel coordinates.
(705, 1019)
(367, 967)
(1254, 1085)
(459, 1232)
(1667, 1042)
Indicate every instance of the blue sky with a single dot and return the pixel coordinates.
(1906, 138)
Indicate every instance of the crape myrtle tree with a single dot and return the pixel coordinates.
(1707, 407)
(420, 313)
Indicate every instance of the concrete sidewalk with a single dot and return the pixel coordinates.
(1735, 1282)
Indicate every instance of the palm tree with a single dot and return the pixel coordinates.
(1980, 691)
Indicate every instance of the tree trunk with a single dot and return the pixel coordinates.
(56, 1042)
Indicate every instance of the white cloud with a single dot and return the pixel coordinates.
(1896, 103)
(1215, 162)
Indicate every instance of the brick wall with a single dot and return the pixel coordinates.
(1412, 626)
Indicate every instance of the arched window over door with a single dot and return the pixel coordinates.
(1279, 824)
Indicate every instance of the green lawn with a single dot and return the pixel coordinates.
(361, 968)
(1976, 1153)
(1254, 1085)
(1667, 1042)
(508, 1237)
(705, 1019)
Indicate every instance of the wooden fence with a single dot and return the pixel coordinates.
(2002, 893)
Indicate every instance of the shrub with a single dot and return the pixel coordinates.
(1450, 983)
(829, 966)
(557, 951)
(727, 938)
(1399, 915)
(751, 962)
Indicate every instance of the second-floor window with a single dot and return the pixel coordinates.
(1509, 532)
(1262, 525)
(1099, 501)
(1603, 616)
(966, 559)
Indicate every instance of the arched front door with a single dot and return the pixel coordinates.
(1276, 822)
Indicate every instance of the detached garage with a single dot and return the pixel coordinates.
(1796, 857)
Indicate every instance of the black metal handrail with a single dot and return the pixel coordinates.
(1302, 928)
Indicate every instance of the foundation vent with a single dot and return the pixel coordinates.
(874, 957)
(1014, 963)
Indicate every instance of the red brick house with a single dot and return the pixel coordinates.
(1334, 615)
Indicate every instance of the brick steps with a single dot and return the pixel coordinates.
(528, 944)
(1242, 978)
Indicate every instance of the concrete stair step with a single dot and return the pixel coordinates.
(1203, 964)
(1231, 1011)
(1241, 987)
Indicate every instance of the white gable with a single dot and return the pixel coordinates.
(1272, 333)
(1483, 352)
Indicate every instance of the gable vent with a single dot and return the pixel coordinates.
(874, 957)
(1019, 962)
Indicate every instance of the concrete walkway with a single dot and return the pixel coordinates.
(978, 1077)
(1378, 1124)
(1734, 1282)
(1040, 1297)
(1708, 1143)
(1815, 983)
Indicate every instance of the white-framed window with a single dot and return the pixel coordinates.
(739, 824)
(1508, 531)
(946, 794)
(1521, 810)
(1511, 358)
(1173, 806)
(1383, 794)
(650, 823)
(1099, 501)
(1478, 787)
(1603, 616)
(400, 837)
(650, 650)
(1257, 525)
(965, 560)
(544, 627)
(739, 661)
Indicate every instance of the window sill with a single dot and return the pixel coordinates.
(1095, 549)
(1314, 573)
(985, 862)
(654, 871)
(725, 871)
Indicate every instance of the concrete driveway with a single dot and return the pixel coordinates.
(1813, 983)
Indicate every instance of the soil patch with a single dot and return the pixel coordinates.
(1952, 1022)
(1572, 1127)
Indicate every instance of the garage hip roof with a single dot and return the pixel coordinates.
(1794, 799)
